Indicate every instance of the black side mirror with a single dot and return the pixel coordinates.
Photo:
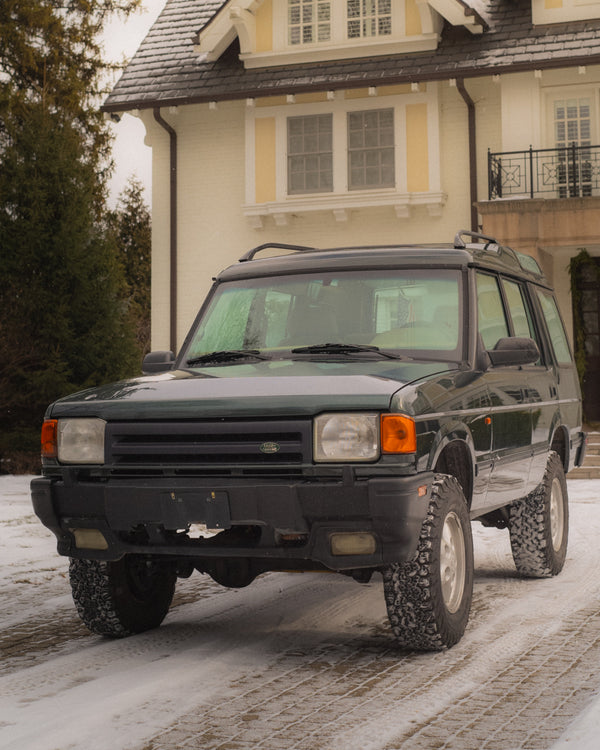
(156, 362)
(514, 351)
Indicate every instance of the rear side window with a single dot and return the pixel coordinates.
(519, 311)
(491, 318)
(555, 327)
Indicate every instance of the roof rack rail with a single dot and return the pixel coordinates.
(276, 246)
(460, 245)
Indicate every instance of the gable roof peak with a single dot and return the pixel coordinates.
(237, 18)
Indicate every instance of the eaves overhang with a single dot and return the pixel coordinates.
(459, 13)
(297, 82)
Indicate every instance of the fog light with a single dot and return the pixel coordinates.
(89, 539)
(357, 543)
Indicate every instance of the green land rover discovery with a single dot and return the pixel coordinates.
(349, 410)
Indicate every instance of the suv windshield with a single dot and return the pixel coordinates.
(411, 313)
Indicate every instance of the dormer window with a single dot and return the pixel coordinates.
(309, 21)
(369, 18)
(289, 32)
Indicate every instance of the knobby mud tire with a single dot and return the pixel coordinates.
(117, 599)
(539, 524)
(422, 616)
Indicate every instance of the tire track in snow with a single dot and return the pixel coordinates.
(308, 662)
(27, 640)
(514, 681)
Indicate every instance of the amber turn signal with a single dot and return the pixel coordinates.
(49, 438)
(398, 434)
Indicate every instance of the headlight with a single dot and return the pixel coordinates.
(80, 440)
(346, 437)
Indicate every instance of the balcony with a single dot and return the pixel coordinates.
(550, 173)
(543, 199)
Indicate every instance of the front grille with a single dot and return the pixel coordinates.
(208, 444)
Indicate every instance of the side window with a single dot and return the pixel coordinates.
(518, 310)
(491, 318)
(555, 327)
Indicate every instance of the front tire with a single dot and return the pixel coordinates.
(118, 599)
(428, 599)
(539, 524)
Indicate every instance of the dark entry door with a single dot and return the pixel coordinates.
(588, 284)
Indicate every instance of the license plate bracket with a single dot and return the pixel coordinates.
(217, 510)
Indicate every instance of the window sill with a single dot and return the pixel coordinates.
(340, 205)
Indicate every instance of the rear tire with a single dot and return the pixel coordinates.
(539, 524)
(118, 599)
(428, 599)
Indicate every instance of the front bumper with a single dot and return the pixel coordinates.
(293, 521)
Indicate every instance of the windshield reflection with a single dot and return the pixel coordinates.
(406, 313)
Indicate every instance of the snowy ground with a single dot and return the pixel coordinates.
(301, 661)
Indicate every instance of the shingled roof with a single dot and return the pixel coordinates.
(166, 71)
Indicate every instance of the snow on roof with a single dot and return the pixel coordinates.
(166, 70)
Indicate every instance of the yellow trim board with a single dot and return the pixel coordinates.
(417, 148)
(264, 156)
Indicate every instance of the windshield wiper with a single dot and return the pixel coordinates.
(345, 349)
(227, 355)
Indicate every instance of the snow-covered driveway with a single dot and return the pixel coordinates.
(301, 661)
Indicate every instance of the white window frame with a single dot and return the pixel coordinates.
(365, 149)
(315, 23)
(564, 93)
(364, 16)
(553, 94)
(342, 199)
(305, 155)
(568, 140)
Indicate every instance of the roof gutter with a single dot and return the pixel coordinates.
(362, 80)
(172, 225)
(460, 85)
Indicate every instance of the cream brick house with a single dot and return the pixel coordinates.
(343, 122)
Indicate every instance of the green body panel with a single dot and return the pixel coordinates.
(267, 389)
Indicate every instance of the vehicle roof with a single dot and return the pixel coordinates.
(304, 260)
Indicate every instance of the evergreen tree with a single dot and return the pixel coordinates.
(64, 322)
(131, 227)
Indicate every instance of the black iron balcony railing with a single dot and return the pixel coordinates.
(569, 172)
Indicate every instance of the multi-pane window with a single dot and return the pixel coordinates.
(310, 154)
(573, 127)
(369, 18)
(572, 121)
(371, 149)
(309, 21)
